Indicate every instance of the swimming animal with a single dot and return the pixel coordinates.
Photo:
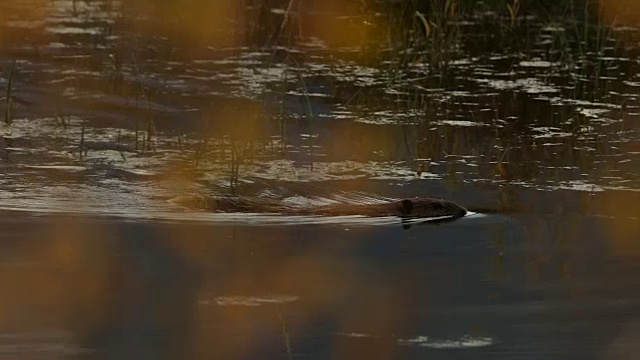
(417, 207)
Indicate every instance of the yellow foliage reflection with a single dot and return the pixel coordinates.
(621, 12)
(620, 213)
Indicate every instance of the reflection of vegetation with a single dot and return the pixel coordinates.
(286, 337)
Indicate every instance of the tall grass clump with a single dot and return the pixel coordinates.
(441, 30)
(417, 32)
(591, 36)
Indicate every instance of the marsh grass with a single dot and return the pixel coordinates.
(8, 112)
(425, 37)
(201, 148)
(234, 163)
(579, 52)
(287, 33)
(513, 8)
(590, 37)
(119, 145)
(140, 94)
(62, 119)
(501, 170)
(82, 148)
(442, 35)
(310, 117)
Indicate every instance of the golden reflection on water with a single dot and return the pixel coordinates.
(622, 220)
(55, 279)
(94, 280)
(215, 23)
(106, 288)
(339, 23)
(23, 15)
(621, 12)
(86, 279)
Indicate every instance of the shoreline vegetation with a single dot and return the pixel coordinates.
(424, 85)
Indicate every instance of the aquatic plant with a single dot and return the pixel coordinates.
(513, 11)
(82, 149)
(62, 119)
(8, 112)
(428, 52)
(418, 32)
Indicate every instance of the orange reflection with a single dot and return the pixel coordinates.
(18, 18)
(620, 210)
(209, 22)
(57, 280)
(338, 23)
(621, 12)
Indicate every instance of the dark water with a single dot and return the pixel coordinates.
(117, 106)
(484, 287)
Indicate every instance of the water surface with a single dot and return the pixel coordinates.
(112, 114)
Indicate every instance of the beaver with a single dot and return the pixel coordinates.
(417, 207)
